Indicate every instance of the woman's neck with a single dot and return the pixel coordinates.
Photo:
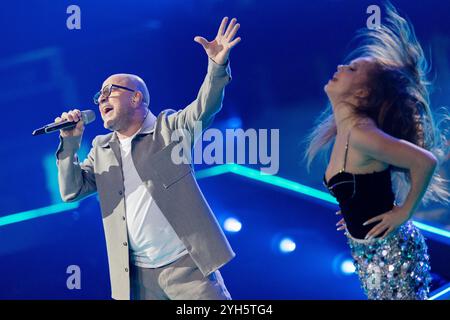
(343, 117)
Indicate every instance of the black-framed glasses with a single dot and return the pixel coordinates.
(106, 91)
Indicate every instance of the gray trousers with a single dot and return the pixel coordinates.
(179, 280)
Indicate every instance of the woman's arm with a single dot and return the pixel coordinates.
(371, 141)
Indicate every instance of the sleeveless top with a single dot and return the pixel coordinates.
(361, 196)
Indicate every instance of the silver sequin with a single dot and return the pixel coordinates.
(393, 268)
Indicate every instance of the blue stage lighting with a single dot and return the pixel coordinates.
(287, 245)
(232, 225)
(347, 267)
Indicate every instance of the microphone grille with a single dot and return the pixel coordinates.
(88, 116)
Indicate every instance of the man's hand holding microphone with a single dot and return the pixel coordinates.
(73, 116)
(70, 124)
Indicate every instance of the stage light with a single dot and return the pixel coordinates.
(36, 213)
(347, 267)
(342, 264)
(287, 245)
(269, 179)
(234, 122)
(441, 293)
(232, 225)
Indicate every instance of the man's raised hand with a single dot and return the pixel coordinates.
(219, 49)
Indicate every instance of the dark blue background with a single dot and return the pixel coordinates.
(288, 52)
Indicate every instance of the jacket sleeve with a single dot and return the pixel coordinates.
(208, 101)
(76, 180)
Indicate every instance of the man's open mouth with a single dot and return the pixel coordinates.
(106, 110)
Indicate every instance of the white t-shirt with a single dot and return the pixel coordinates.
(153, 242)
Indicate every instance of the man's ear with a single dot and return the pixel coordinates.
(137, 98)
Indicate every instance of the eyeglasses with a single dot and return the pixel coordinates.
(106, 92)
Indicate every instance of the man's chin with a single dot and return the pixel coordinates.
(110, 125)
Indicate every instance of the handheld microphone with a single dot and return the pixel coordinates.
(88, 116)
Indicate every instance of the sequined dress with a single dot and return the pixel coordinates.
(396, 267)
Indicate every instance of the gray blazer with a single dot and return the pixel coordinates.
(172, 186)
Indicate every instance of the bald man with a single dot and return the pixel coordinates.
(163, 240)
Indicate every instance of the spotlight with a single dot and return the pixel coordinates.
(287, 245)
(347, 267)
(232, 225)
(234, 122)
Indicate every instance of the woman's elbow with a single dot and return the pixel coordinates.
(429, 161)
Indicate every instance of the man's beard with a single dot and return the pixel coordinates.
(114, 125)
(120, 122)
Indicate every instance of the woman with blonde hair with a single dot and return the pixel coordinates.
(385, 151)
